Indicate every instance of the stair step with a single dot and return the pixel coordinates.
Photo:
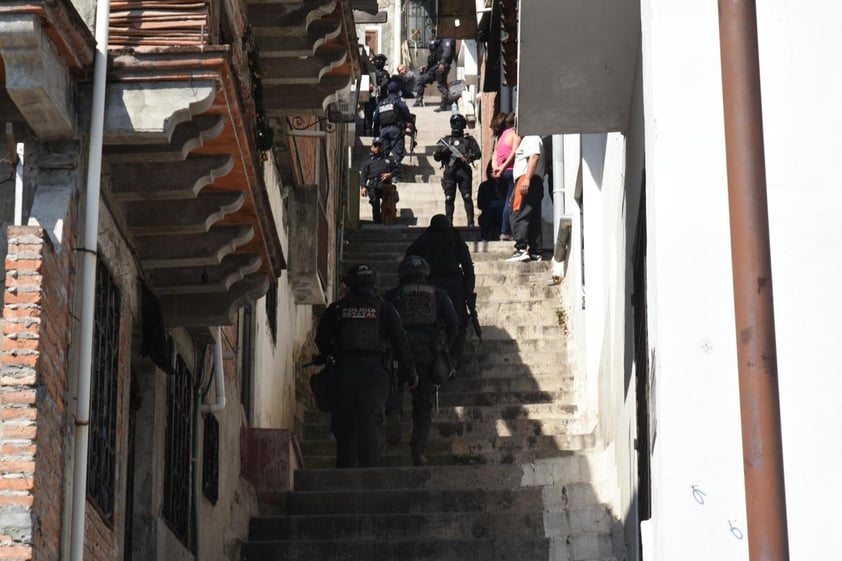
(589, 547)
(551, 498)
(567, 469)
(443, 525)
(502, 412)
(497, 449)
(483, 428)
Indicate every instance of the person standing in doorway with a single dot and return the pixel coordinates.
(503, 127)
(526, 202)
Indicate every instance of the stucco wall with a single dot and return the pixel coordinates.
(691, 302)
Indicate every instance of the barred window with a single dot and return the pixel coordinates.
(177, 466)
(105, 374)
(210, 459)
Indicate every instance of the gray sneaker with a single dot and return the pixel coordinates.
(519, 255)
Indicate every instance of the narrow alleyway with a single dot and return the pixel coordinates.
(515, 471)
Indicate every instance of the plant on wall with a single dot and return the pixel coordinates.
(263, 133)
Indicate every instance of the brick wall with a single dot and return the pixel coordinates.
(33, 390)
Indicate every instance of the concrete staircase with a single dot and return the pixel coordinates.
(420, 191)
(515, 472)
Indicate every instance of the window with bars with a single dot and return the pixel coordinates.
(210, 459)
(420, 24)
(105, 375)
(177, 469)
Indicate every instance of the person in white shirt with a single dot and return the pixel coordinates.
(526, 204)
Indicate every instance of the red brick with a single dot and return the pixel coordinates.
(21, 552)
(20, 360)
(16, 500)
(9, 413)
(16, 483)
(17, 466)
(23, 297)
(25, 397)
(15, 313)
(28, 432)
(18, 449)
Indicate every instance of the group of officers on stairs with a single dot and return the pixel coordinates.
(389, 120)
(412, 337)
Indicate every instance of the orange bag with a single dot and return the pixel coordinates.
(518, 196)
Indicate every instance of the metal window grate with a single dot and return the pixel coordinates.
(177, 469)
(420, 24)
(105, 380)
(210, 459)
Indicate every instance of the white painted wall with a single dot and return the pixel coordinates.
(690, 298)
(273, 385)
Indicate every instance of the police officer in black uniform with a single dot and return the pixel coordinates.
(362, 333)
(377, 90)
(431, 325)
(451, 269)
(377, 170)
(436, 70)
(455, 152)
(391, 117)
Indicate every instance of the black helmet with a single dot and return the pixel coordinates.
(458, 122)
(379, 61)
(377, 141)
(439, 223)
(360, 276)
(413, 268)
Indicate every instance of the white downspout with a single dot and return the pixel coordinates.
(560, 219)
(219, 377)
(88, 287)
(19, 185)
(558, 182)
(397, 30)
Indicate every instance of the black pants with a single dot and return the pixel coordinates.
(393, 141)
(357, 408)
(440, 78)
(375, 195)
(526, 222)
(422, 405)
(457, 175)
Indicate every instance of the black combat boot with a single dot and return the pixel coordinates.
(418, 458)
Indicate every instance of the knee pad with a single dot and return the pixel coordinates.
(466, 196)
(448, 198)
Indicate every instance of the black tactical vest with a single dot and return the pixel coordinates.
(387, 113)
(359, 326)
(416, 305)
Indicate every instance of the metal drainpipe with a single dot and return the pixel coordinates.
(752, 270)
(88, 288)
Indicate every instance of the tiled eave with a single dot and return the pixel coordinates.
(185, 181)
(46, 48)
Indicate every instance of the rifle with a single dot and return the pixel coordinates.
(455, 152)
(320, 360)
(471, 302)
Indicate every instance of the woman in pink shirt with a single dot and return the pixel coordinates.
(504, 160)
